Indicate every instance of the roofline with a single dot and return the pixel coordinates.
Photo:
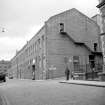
(95, 15)
(24, 46)
(60, 13)
(87, 18)
(83, 44)
(101, 4)
(78, 43)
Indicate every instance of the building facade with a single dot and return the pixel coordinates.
(98, 19)
(69, 37)
(5, 66)
(101, 6)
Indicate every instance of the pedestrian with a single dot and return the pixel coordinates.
(93, 71)
(67, 73)
(72, 75)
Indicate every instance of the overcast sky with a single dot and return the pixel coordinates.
(23, 18)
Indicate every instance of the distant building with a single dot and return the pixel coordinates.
(5, 66)
(68, 37)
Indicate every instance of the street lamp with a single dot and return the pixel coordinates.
(33, 69)
(2, 29)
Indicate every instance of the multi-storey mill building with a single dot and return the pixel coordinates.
(68, 37)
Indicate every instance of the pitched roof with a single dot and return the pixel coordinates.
(80, 36)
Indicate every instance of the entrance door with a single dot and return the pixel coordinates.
(92, 61)
(76, 64)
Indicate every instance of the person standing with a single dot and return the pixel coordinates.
(93, 71)
(67, 73)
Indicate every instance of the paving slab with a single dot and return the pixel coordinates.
(84, 82)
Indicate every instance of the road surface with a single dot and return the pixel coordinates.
(51, 92)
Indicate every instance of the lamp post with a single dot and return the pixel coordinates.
(33, 69)
(17, 67)
(2, 29)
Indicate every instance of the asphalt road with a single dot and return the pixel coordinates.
(51, 92)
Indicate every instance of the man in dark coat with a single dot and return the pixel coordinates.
(67, 73)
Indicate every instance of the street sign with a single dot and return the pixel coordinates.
(70, 59)
(52, 67)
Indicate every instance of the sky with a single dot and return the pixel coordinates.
(21, 19)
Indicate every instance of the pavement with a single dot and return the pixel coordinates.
(84, 82)
(71, 81)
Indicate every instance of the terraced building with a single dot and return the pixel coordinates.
(69, 37)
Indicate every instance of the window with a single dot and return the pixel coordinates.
(43, 37)
(42, 41)
(92, 61)
(76, 59)
(5, 66)
(95, 46)
(61, 27)
(39, 41)
(76, 63)
(35, 46)
(31, 48)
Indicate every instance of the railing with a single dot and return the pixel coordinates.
(87, 72)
